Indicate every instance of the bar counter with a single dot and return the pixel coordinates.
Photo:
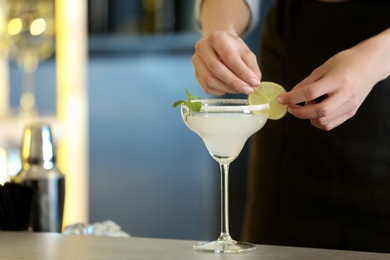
(26, 245)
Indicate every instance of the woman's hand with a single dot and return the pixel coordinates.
(344, 81)
(225, 64)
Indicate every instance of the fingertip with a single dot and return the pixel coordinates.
(247, 90)
(281, 100)
(254, 82)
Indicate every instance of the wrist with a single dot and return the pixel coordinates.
(378, 48)
(227, 31)
(229, 16)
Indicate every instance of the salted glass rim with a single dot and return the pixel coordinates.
(236, 105)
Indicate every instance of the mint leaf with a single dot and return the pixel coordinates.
(178, 103)
(193, 106)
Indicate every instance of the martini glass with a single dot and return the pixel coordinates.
(225, 125)
(30, 33)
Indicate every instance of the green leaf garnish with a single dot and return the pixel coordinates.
(193, 106)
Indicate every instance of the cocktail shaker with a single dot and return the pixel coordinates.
(39, 172)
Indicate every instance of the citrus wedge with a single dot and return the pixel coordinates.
(267, 92)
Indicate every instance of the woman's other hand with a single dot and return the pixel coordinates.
(343, 82)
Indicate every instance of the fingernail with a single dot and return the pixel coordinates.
(254, 82)
(247, 90)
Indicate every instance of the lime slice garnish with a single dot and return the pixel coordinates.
(267, 92)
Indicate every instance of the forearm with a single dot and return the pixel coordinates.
(231, 16)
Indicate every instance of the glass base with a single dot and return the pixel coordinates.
(222, 247)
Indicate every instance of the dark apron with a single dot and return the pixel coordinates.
(309, 187)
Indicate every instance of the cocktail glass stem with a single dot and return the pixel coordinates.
(224, 243)
(28, 66)
(27, 98)
(225, 236)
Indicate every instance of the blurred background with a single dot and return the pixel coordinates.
(107, 85)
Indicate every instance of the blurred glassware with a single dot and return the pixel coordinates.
(106, 228)
(29, 31)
